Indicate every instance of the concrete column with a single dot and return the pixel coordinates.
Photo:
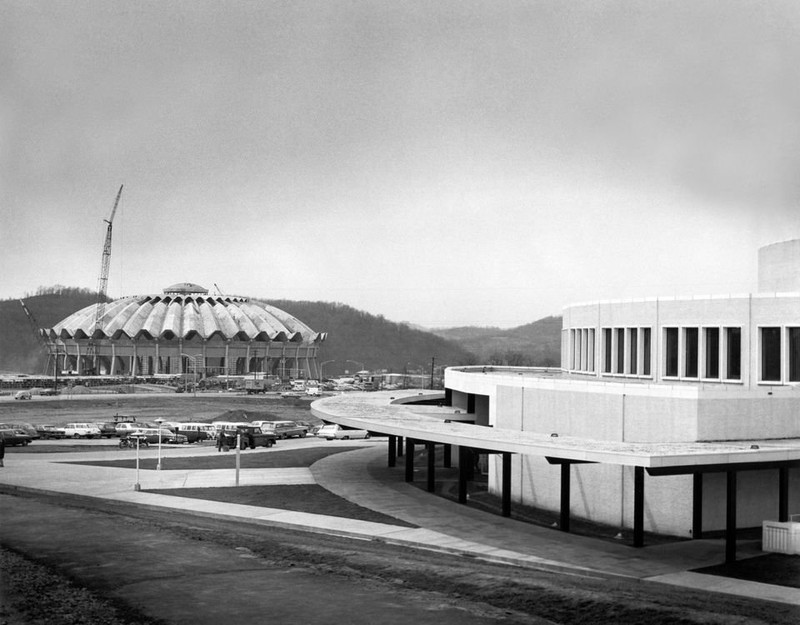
(730, 519)
(506, 479)
(409, 460)
(392, 450)
(638, 506)
(431, 449)
(566, 484)
(697, 506)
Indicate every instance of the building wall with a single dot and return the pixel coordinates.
(779, 267)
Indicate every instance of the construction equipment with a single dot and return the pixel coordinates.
(45, 345)
(102, 284)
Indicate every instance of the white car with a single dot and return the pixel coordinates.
(334, 431)
(81, 430)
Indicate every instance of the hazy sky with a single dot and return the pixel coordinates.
(443, 163)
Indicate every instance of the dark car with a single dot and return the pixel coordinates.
(167, 437)
(25, 428)
(15, 437)
(108, 429)
(50, 431)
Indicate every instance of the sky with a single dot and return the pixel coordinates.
(439, 163)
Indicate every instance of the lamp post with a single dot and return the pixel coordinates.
(159, 421)
(321, 365)
(355, 362)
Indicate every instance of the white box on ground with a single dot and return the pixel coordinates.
(781, 537)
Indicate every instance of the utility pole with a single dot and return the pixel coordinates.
(433, 360)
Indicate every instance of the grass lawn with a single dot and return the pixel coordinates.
(310, 498)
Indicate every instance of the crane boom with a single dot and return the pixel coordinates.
(102, 281)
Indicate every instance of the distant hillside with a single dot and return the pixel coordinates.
(352, 334)
(20, 351)
(372, 340)
(535, 344)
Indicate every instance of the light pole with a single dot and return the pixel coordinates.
(321, 365)
(355, 362)
(159, 421)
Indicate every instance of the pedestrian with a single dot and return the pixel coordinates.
(2, 449)
(220, 439)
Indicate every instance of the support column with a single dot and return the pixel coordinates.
(783, 494)
(392, 450)
(447, 460)
(730, 519)
(506, 479)
(697, 506)
(400, 440)
(113, 368)
(565, 496)
(464, 463)
(431, 448)
(409, 460)
(638, 506)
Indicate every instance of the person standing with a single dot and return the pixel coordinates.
(2, 449)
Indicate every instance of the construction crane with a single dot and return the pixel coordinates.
(102, 282)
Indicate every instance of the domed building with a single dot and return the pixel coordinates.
(184, 330)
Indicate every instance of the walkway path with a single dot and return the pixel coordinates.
(362, 477)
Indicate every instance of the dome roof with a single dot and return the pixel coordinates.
(186, 311)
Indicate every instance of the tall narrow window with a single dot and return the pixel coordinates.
(645, 351)
(671, 352)
(794, 354)
(712, 353)
(771, 354)
(620, 350)
(733, 350)
(691, 349)
(633, 351)
(607, 350)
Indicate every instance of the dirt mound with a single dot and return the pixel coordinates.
(246, 415)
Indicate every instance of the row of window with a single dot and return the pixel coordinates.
(694, 353)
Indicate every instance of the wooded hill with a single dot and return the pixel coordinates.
(353, 335)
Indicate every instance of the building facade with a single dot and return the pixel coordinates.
(659, 370)
(184, 330)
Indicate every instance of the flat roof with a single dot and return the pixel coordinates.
(388, 412)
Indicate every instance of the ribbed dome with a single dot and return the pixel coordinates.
(185, 311)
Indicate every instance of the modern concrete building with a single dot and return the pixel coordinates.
(184, 330)
(673, 380)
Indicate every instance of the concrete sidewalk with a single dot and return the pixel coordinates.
(362, 477)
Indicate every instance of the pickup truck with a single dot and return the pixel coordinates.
(251, 437)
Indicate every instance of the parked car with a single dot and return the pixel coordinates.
(125, 428)
(26, 428)
(23, 395)
(15, 437)
(168, 437)
(283, 429)
(81, 430)
(50, 431)
(49, 392)
(107, 429)
(335, 431)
